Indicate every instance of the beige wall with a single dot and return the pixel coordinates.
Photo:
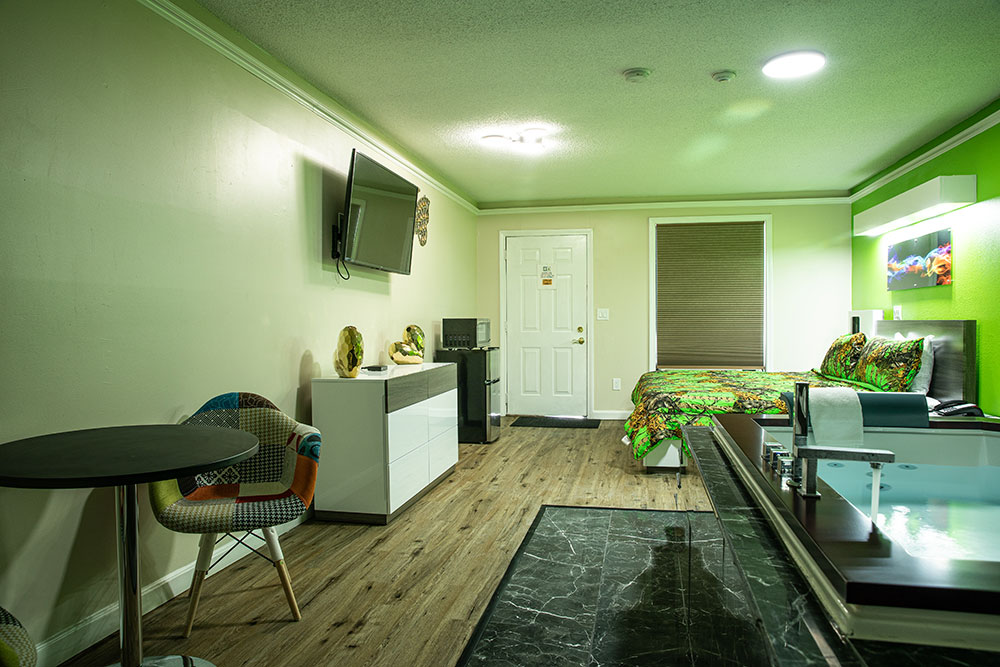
(163, 239)
(811, 286)
(165, 225)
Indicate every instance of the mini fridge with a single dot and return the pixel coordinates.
(478, 392)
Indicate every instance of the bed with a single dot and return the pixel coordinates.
(667, 400)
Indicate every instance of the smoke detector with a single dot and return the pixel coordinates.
(636, 74)
(724, 76)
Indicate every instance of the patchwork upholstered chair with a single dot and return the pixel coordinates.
(273, 486)
(16, 647)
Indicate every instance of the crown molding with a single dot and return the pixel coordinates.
(206, 35)
(722, 203)
(924, 158)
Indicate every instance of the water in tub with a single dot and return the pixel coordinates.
(941, 499)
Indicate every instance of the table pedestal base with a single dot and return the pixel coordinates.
(172, 661)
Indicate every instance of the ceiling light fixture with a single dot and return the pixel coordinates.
(794, 65)
(528, 138)
(532, 135)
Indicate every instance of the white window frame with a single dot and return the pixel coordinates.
(768, 273)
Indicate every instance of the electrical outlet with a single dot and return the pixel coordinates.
(602, 314)
(897, 312)
(616, 384)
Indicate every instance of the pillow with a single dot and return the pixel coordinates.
(889, 365)
(922, 382)
(843, 355)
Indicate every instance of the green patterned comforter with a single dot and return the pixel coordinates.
(666, 400)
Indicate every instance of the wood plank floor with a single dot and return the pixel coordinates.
(409, 593)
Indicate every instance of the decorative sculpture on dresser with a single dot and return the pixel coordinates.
(350, 353)
(410, 350)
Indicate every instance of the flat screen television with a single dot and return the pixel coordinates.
(376, 228)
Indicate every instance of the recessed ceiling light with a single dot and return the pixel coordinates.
(794, 65)
(494, 139)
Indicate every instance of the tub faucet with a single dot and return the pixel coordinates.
(800, 430)
(808, 456)
(800, 414)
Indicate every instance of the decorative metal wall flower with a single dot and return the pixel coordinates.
(423, 217)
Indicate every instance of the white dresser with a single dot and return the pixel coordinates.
(388, 437)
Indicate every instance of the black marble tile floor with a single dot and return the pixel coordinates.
(604, 587)
(600, 587)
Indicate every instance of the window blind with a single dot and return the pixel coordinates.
(710, 295)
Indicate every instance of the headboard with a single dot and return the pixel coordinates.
(955, 370)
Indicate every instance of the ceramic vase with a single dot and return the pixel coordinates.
(350, 353)
(410, 350)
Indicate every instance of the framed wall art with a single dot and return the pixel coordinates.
(924, 261)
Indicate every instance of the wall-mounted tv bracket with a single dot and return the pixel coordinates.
(336, 251)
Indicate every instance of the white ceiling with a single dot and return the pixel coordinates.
(436, 75)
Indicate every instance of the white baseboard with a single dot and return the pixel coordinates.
(103, 622)
(610, 414)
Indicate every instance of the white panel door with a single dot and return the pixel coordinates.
(547, 321)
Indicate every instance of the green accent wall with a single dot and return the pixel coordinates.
(975, 252)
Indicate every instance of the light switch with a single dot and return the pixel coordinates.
(616, 384)
(602, 313)
(897, 313)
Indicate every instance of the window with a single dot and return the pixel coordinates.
(709, 294)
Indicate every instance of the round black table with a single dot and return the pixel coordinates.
(123, 456)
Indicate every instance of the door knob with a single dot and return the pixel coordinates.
(579, 341)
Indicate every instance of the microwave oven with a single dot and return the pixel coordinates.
(465, 332)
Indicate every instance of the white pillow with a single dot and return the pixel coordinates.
(922, 382)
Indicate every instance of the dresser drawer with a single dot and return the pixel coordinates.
(442, 452)
(442, 413)
(407, 476)
(442, 379)
(407, 429)
(409, 389)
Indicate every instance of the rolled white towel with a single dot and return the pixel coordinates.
(835, 413)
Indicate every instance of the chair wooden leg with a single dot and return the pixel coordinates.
(286, 584)
(205, 550)
(194, 594)
(271, 537)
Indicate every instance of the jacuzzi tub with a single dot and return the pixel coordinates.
(929, 571)
(939, 495)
